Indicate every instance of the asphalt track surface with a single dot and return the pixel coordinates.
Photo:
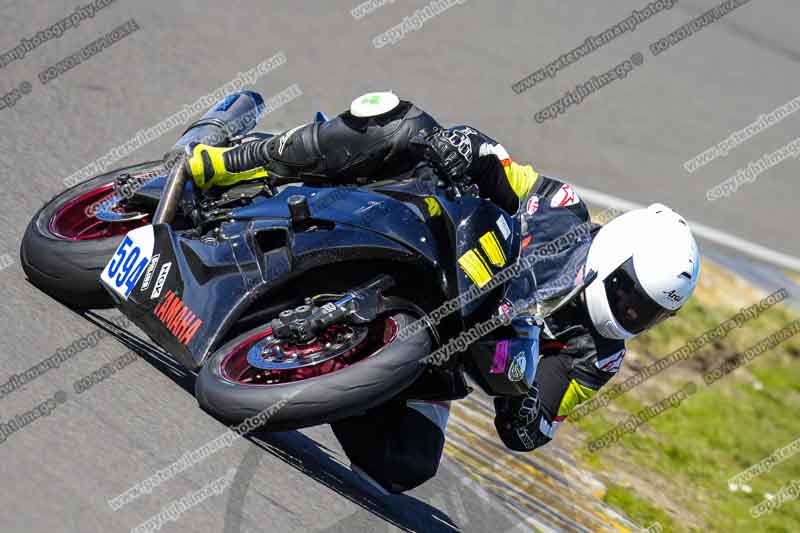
(629, 139)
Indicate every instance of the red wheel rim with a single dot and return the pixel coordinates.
(236, 368)
(74, 220)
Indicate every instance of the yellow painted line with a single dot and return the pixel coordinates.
(479, 469)
(460, 455)
(554, 503)
(514, 473)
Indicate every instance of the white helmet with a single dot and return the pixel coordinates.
(647, 265)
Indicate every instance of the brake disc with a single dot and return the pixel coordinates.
(276, 354)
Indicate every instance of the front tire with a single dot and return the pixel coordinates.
(321, 399)
(67, 266)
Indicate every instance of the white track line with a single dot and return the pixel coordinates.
(701, 230)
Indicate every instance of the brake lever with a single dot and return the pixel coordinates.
(453, 188)
(462, 187)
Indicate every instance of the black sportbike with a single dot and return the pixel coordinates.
(283, 291)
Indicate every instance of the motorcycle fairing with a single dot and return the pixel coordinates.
(461, 225)
(213, 280)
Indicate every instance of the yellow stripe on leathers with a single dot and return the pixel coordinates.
(475, 267)
(522, 178)
(492, 248)
(575, 395)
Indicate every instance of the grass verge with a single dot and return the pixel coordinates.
(675, 468)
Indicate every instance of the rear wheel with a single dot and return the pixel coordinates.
(346, 370)
(66, 246)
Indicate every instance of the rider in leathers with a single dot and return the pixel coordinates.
(381, 136)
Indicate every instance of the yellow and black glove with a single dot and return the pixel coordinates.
(212, 166)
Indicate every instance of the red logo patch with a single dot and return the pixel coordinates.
(565, 197)
(612, 363)
(177, 317)
(533, 205)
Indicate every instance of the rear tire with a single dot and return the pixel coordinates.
(69, 270)
(318, 400)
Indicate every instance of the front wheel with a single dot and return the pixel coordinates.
(66, 246)
(345, 371)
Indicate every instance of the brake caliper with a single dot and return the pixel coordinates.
(302, 324)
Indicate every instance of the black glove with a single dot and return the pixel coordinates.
(516, 421)
(450, 152)
(518, 411)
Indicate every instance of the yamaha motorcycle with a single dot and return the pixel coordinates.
(286, 291)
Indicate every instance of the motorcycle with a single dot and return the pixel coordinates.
(287, 291)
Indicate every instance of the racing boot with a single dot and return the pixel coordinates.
(290, 154)
(224, 166)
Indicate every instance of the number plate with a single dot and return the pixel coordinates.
(129, 262)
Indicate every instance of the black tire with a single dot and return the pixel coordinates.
(318, 400)
(69, 270)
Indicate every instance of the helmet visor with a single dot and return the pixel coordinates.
(631, 305)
